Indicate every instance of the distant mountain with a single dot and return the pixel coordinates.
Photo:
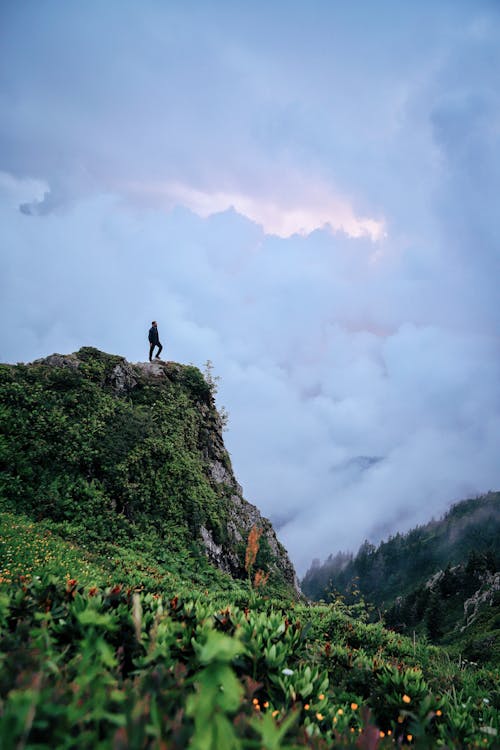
(441, 579)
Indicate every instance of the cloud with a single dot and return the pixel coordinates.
(308, 201)
(338, 429)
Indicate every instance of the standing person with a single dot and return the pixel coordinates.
(154, 340)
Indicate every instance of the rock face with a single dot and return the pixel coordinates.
(484, 597)
(123, 378)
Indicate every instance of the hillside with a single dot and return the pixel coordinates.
(441, 579)
(116, 455)
(145, 604)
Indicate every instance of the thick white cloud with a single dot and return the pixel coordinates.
(307, 201)
(340, 428)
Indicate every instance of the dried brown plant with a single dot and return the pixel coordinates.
(252, 547)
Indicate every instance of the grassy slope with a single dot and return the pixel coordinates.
(43, 549)
(341, 668)
(87, 662)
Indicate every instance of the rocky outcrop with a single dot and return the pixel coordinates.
(433, 582)
(60, 360)
(123, 377)
(486, 596)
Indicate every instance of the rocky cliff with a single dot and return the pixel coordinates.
(93, 437)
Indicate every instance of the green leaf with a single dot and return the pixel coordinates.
(98, 619)
(219, 647)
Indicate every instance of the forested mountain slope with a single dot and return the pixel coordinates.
(441, 578)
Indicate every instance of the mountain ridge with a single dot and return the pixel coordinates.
(440, 579)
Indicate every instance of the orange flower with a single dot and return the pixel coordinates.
(406, 699)
(439, 712)
(319, 716)
(71, 587)
(354, 706)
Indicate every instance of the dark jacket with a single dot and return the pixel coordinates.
(153, 335)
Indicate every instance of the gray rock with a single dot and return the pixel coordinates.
(223, 559)
(434, 580)
(219, 473)
(484, 597)
(151, 370)
(122, 378)
(60, 360)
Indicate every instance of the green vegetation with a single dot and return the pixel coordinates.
(73, 451)
(86, 666)
(422, 580)
(29, 549)
(117, 632)
(119, 458)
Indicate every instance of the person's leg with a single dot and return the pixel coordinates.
(160, 347)
(151, 347)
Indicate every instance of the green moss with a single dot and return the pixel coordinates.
(74, 451)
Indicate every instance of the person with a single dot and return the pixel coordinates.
(154, 340)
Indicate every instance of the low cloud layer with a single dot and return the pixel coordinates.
(333, 252)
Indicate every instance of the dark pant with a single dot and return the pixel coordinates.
(151, 347)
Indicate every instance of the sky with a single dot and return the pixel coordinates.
(305, 194)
